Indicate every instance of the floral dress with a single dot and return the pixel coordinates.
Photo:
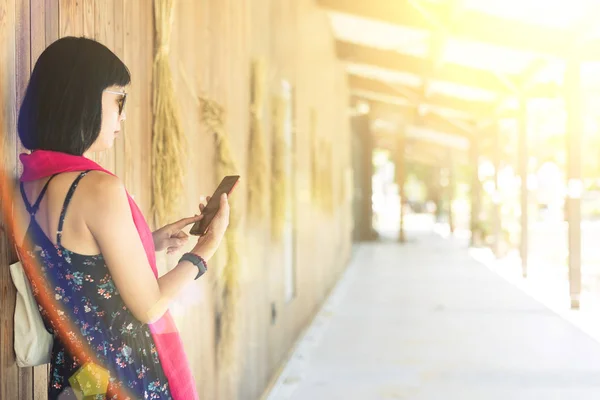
(83, 289)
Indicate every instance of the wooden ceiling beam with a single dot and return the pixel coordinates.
(438, 38)
(415, 147)
(429, 120)
(473, 26)
(394, 61)
(452, 73)
(478, 109)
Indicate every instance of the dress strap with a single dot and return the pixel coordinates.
(32, 210)
(66, 204)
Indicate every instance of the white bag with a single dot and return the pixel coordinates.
(33, 343)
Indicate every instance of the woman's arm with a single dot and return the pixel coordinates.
(114, 230)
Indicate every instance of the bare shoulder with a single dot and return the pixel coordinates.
(100, 185)
(103, 192)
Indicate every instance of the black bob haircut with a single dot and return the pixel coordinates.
(62, 107)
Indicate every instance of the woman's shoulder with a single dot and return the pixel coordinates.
(97, 179)
(100, 187)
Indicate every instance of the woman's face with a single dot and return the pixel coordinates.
(112, 97)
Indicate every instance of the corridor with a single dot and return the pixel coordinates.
(425, 321)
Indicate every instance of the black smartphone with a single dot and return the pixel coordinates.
(226, 186)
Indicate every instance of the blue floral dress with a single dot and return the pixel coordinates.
(83, 288)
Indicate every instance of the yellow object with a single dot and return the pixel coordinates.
(168, 138)
(279, 182)
(258, 168)
(89, 381)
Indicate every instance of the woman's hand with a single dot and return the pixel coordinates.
(208, 244)
(172, 237)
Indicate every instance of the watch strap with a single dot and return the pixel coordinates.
(198, 261)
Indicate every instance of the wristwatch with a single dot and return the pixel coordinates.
(197, 261)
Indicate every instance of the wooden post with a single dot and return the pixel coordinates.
(362, 148)
(475, 190)
(450, 190)
(401, 179)
(496, 196)
(574, 182)
(523, 173)
(438, 196)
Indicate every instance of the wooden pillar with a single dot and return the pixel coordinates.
(450, 189)
(523, 173)
(475, 190)
(574, 182)
(401, 179)
(362, 144)
(438, 197)
(497, 223)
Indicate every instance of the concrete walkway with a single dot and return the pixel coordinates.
(425, 321)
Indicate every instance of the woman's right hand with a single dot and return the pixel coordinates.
(208, 244)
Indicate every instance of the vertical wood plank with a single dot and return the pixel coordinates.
(138, 56)
(88, 27)
(23, 59)
(119, 43)
(38, 29)
(132, 58)
(71, 17)
(23, 71)
(144, 135)
(130, 49)
(89, 18)
(40, 382)
(104, 33)
(9, 382)
(52, 10)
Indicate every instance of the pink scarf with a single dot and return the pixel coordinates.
(43, 163)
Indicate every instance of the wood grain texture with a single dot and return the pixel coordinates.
(51, 9)
(132, 57)
(23, 61)
(119, 49)
(9, 373)
(89, 18)
(104, 32)
(71, 18)
(40, 382)
(37, 10)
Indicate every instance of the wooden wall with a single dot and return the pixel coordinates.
(213, 44)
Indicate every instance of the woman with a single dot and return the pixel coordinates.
(93, 247)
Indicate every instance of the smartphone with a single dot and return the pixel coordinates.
(226, 186)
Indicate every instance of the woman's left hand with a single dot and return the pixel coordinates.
(171, 236)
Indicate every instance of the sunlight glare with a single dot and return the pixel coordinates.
(551, 13)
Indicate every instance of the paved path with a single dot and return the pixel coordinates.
(425, 321)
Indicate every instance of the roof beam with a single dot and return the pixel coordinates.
(392, 60)
(438, 39)
(416, 150)
(366, 95)
(453, 73)
(429, 137)
(429, 120)
(473, 26)
(478, 109)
